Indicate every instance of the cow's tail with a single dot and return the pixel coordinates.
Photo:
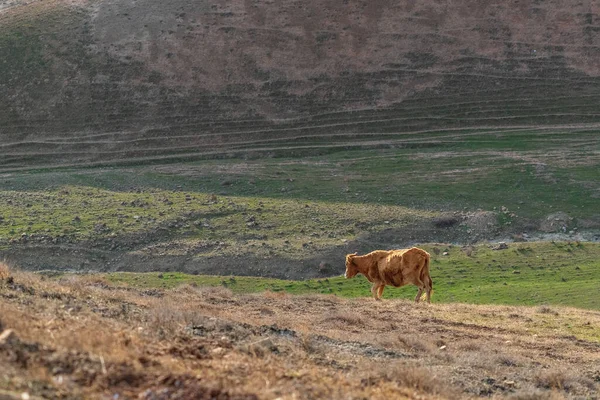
(425, 276)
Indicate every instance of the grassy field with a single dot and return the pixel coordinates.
(290, 213)
(541, 273)
(530, 171)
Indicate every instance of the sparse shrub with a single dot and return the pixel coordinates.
(215, 291)
(308, 341)
(507, 361)
(185, 289)
(546, 310)
(482, 360)
(4, 271)
(414, 343)
(345, 317)
(445, 221)
(471, 345)
(310, 344)
(554, 379)
(535, 394)
(95, 281)
(72, 284)
(168, 317)
(322, 298)
(205, 291)
(416, 378)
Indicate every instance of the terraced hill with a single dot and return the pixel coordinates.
(107, 81)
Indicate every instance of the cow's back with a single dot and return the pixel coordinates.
(403, 267)
(414, 255)
(371, 264)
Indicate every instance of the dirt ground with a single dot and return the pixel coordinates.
(81, 337)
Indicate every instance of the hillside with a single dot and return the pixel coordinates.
(180, 181)
(82, 337)
(107, 81)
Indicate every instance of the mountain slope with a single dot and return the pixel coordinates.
(112, 81)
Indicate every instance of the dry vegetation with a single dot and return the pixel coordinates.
(81, 337)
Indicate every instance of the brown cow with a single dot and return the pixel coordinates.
(393, 267)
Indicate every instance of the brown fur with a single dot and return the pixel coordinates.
(393, 267)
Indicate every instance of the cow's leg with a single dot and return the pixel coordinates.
(428, 288)
(419, 294)
(374, 291)
(380, 291)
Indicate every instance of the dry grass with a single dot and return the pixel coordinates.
(83, 337)
(4, 270)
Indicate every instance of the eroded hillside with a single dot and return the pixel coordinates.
(102, 81)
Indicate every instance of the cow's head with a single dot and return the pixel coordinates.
(351, 268)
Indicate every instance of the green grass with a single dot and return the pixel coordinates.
(322, 199)
(540, 273)
(532, 173)
(187, 219)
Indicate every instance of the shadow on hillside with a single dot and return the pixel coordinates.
(108, 256)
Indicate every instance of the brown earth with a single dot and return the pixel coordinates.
(81, 337)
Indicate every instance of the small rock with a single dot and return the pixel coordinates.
(218, 351)
(8, 338)
(501, 246)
